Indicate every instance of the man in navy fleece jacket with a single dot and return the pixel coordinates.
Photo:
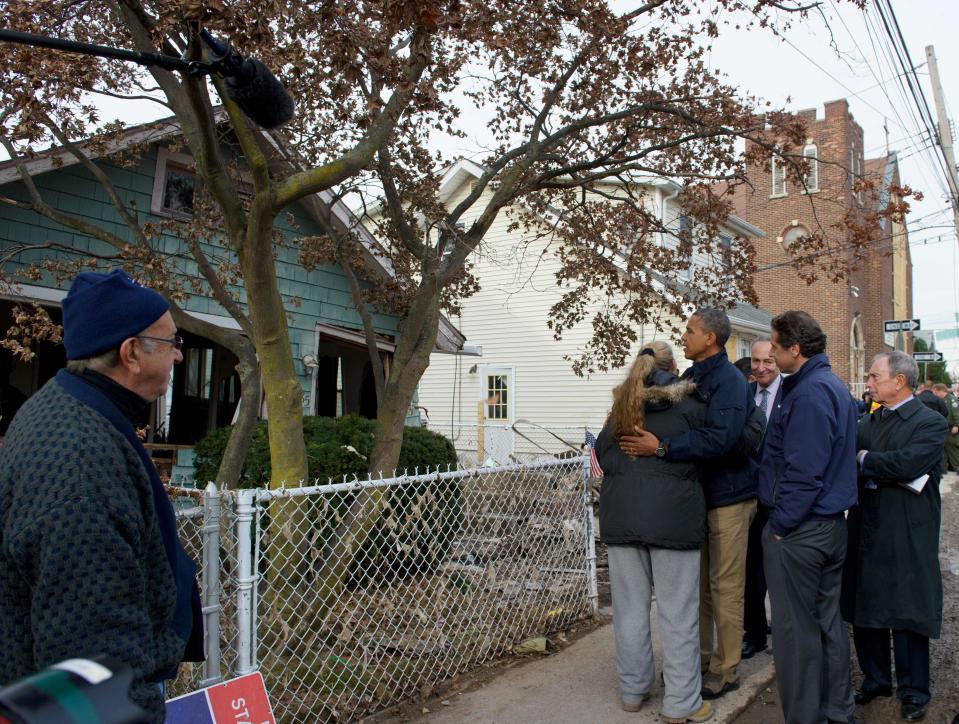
(807, 480)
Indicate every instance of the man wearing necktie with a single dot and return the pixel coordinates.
(765, 391)
(892, 585)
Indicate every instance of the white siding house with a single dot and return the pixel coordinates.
(520, 386)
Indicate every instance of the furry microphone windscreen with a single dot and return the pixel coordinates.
(260, 95)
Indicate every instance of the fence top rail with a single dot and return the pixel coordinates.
(378, 482)
(195, 512)
(517, 423)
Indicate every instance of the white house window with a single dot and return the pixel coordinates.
(779, 177)
(725, 251)
(811, 155)
(174, 185)
(497, 397)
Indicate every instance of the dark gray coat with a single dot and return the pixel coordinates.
(891, 577)
(650, 500)
(83, 570)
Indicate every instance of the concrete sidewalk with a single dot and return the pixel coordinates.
(578, 684)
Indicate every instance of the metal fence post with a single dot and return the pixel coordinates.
(211, 585)
(244, 589)
(590, 540)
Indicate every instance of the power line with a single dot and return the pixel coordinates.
(872, 245)
(915, 88)
(875, 39)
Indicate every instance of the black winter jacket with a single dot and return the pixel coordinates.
(730, 433)
(650, 500)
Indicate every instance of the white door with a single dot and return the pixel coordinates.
(496, 392)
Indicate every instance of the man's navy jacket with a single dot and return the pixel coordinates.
(808, 469)
(726, 475)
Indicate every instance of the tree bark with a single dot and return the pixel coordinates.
(234, 456)
(417, 338)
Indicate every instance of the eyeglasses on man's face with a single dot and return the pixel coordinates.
(176, 341)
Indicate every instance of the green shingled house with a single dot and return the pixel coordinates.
(326, 332)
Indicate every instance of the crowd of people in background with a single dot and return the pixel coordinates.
(724, 484)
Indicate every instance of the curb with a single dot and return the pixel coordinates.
(755, 684)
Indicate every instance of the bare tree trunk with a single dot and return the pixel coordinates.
(234, 456)
(288, 535)
(417, 338)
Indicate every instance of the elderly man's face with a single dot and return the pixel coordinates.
(763, 363)
(156, 359)
(885, 388)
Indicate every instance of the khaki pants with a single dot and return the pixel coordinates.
(721, 583)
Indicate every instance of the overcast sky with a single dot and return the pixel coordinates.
(843, 52)
(805, 71)
(780, 71)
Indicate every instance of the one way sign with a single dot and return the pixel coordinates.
(900, 325)
(928, 356)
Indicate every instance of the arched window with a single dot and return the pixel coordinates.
(811, 155)
(792, 234)
(857, 358)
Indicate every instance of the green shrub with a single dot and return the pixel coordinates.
(328, 443)
(418, 522)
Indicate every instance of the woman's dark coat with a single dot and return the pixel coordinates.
(891, 578)
(650, 500)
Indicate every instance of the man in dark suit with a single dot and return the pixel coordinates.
(930, 399)
(891, 580)
(765, 391)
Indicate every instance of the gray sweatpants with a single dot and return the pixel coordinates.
(810, 641)
(633, 572)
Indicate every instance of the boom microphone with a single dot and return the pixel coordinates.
(250, 85)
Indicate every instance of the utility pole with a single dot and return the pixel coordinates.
(945, 134)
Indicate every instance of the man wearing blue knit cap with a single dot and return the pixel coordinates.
(89, 558)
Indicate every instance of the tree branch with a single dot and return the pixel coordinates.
(100, 175)
(323, 177)
(360, 304)
(397, 212)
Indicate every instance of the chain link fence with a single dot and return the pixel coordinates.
(354, 595)
(206, 524)
(518, 442)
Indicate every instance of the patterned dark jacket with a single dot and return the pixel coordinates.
(83, 570)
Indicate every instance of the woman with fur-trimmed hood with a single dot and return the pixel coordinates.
(652, 516)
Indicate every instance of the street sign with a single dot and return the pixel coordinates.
(928, 356)
(900, 325)
(239, 700)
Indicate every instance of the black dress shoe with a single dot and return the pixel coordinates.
(864, 696)
(912, 710)
(749, 650)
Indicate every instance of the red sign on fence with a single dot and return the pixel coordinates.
(239, 701)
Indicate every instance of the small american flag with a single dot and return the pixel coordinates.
(594, 469)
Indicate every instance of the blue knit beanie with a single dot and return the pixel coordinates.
(102, 310)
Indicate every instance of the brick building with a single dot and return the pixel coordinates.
(851, 310)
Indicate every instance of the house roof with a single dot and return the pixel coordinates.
(449, 338)
(741, 315)
(884, 168)
(746, 315)
(463, 170)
